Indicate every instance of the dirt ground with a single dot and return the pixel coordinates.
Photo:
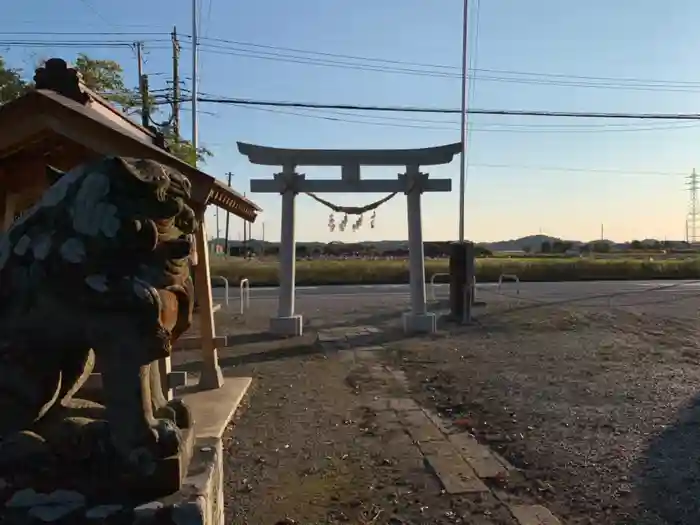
(595, 406)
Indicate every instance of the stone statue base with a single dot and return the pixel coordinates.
(60, 499)
(71, 450)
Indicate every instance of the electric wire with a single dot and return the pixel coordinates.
(318, 58)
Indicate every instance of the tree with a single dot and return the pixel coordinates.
(600, 247)
(183, 149)
(561, 246)
(11, 84)
(106, 77)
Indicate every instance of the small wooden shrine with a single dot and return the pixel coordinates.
(62, 124)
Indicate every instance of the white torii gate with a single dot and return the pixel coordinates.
(289, 183)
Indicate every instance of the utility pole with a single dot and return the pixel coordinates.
(694, 214)
(463, 126)
(228, 215)
(139, 57)
(176, 84)
(143, 86)
(195, 87)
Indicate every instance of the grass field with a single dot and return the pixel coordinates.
(361, 271)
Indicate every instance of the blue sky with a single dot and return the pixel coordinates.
(563, 177)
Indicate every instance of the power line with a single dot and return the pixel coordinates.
(81, 44)
(417, 109)
(83, 33)
(579, 170)
(293, 59)
(363, 58)
(379, 65)
(92, 8)
(436, 125)
(442, 71)
(453, 67)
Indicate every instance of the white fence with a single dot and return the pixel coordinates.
(431, 289)
(509, 277)
(225, 280)
(245, 295)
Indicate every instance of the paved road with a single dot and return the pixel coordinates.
(544, 291)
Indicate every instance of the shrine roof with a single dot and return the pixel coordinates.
(62, 111)
(270, 156)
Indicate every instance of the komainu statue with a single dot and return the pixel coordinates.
(98, 270)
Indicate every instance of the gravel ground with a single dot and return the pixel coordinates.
(595, 403)
(598, 406)
(306, 446)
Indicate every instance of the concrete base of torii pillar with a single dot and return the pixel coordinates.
(290, 326)
(419, 323)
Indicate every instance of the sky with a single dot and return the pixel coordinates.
(526, 175)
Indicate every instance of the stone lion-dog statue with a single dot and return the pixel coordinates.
(98, 270)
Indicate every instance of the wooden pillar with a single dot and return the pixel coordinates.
(10, 207)
(164, 370)
(211, 376)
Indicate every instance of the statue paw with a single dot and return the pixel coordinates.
(165, 442)
(21, 448)
(169, 437)
(177, 412)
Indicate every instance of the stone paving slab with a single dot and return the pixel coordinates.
(480, 457)
(456, 477)
(456, 458)
(419, 427)
(534, 515)
(403, 404)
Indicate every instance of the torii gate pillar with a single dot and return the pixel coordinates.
(287, 322)
(418, 320)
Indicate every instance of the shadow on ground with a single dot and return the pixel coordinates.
(668, 476)
(287, 352)
(266, 348)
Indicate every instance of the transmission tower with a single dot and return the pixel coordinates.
(694, 211)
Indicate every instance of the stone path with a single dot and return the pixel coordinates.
(462, 465)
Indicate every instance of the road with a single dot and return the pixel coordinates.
(543, 291)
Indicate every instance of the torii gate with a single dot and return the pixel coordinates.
(289, 183)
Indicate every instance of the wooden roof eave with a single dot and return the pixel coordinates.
(99, 133)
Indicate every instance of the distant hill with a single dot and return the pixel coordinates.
(532, 242)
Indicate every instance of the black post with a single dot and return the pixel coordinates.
(461, 280)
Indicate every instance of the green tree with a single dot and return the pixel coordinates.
(600, 247)
(106, 77)
(183, 149)
(11, 84)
